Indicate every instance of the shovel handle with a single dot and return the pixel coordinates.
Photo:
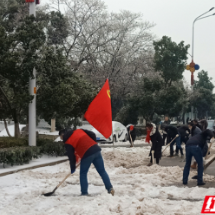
(63, 180)
(209, 148)
(66, 177)
(153, 154)
(170, 143)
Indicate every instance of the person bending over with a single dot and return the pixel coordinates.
(172, 132)
(194, 148)
(154, 136)
(81, 145)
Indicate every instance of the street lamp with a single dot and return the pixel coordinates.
(192, 63)
(198, 18)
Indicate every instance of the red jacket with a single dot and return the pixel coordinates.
(80, 144)
(80, 141)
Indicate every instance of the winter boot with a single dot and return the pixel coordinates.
(201, 184)
(111, 191)
(195, 177)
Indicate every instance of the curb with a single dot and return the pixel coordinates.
(34, 167)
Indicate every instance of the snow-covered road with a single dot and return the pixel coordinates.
(139, 189)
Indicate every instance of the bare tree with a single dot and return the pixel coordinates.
(104, 45)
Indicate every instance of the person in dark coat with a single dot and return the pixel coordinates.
(197, 124)
(204, 124)
(166, 122)
(194, 130)
(184, 132)
(172, 132)
(81, 146)
(131, 134)
(157, 142)
(194, 148)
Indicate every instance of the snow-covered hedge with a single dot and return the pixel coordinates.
(16, 151)
(53, 148)
(18, 155)
(7, 142)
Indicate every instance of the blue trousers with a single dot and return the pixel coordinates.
(178, 146)
(98, 162)
(195, 151)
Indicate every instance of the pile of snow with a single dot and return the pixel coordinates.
(138, 189)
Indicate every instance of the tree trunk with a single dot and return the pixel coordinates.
(5, 125)
(53, 125)
(16, 124)
(17, 130)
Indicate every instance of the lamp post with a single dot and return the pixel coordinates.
(32, 90)
(192, 72)
(198, 18)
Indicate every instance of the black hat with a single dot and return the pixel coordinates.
(62, 131)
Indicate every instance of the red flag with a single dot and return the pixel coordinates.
(99, 113)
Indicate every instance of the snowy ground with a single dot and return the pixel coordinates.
(139, 189)
(127, 143)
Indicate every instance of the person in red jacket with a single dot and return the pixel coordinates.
(81, 146)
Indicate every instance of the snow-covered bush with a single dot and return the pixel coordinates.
(18, 155)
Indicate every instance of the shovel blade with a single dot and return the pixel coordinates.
(48, 194)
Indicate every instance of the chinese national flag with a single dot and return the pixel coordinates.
(99, 113)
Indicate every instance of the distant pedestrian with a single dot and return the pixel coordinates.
(194, 130)
(204, 124)
(166, 122)
(194, 148)
(154, 136)
(184, 132)
(171, 134)
(131, 134)
(197, 124)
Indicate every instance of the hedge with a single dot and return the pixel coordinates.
(19, 155)
(53, 148)
(17, 151)
(7, 142)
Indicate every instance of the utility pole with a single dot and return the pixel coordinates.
(32, 91)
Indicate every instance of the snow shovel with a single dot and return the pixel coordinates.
(208, 150)
(210, 161)
(170, 143)
(50, 193)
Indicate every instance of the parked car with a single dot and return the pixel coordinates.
(119, 133)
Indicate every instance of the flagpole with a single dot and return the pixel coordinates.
(112, 134)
